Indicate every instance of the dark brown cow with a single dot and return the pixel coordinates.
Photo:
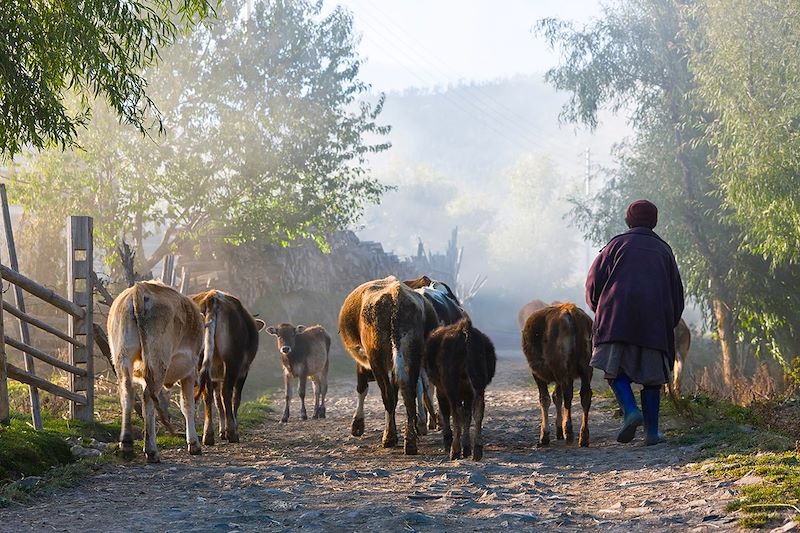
(304, 354)
(383, 325)
(683, 341)
(232, 339)
(529, 308)
(557, 341)
(460, 361)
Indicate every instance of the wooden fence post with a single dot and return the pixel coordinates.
(5, 415)
(80, 260)
(19, 302)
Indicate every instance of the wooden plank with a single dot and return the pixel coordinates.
(5, 412)
(33, 321)
(20, 375)
(19, 301)
(184, 281)
(80, 261)
(48, 295)
(44, 357)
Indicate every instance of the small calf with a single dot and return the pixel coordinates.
(557, 343)
(460, 361)
(304, 354)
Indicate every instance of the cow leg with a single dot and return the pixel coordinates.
(457, 409)
(422, 415)
(237, 396)
(558, 396)
(208, 420)
(408, 388)
(231, 431)
(301, 391)
(323, 391)
(433, 419)
(478, 408)
(287, 396)
(389, 395)
(187, 408)
(676, 375)
(223, 424)
(466, 442)
(586, 403)
(362, 383)
(126, 398)
(315, 387)
(150, 450)
(567, 392)
(444, 420)
(544, 404)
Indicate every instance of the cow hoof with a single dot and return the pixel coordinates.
(477, 453)
(152, 457)
(195, 449)
(448, 443)
(208, 439)
(233, 437)
(315, 415)
(455, 455)
(544, 440)
(390, 442)
(559, 434)
(284, 419)
(466, 451)
(583, 440)
(126, 450)
(303, 416)
(410, 448)
(357, 428)
(222, 436)
(570, 438)
(422, 429)
(322, 412)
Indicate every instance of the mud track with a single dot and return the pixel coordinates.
(314, 475)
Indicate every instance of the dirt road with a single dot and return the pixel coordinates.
(315, 475)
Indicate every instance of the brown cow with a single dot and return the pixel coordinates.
(460, 361)
(383, 325)
(529, 308)
(304, 354)
(233, 340)
(156, 337)
(683, 341)
(556, 341)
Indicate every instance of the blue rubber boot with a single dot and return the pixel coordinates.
(621, 385)
(651, 402)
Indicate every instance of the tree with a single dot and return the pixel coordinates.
(264, 140)
(637, 56)
(95, 48)
(748, 71)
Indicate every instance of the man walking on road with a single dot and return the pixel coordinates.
(636, 292)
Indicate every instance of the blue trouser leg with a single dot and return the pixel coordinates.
(651, 402)
(621, 385)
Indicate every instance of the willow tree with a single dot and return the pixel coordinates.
(95, 48)
(265, 139)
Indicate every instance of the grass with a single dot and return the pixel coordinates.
(733, 442)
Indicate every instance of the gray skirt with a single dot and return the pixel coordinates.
(642, 365)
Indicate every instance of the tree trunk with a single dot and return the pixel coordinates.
(727, 339)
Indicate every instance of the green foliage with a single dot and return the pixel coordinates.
(748, 69)
(264, 139)
(95, 48)
(26, 452)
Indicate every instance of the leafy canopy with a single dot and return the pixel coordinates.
(94, 48)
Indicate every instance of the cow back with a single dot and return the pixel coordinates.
(527, 310)
(556, 342)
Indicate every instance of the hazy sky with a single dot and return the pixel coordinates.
(423, 43)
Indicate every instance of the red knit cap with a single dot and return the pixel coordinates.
(641, 213)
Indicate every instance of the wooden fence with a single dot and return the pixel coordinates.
(80, 334)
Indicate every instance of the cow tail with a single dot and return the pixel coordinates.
(210, 330)
(140, 316)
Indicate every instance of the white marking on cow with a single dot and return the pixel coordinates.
(360, 406)
(399, 361)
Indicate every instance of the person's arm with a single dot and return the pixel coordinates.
(678, 298)
(595, 281)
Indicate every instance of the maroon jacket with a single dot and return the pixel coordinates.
(636, 292)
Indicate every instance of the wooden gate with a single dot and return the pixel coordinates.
(78, 307)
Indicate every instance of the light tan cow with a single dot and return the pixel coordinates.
(683, 341)
(156, 338)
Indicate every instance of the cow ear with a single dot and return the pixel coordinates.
(260, 324)
(272, 331)
(299, 329)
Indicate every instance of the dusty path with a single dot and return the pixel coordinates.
(315, 475)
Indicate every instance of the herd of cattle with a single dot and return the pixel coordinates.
(413, 338)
